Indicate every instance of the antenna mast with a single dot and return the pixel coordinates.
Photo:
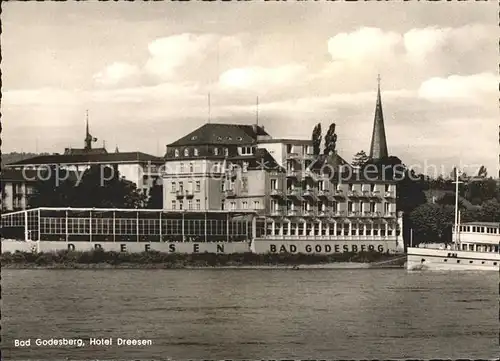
(257, 111)
(457, 214)
(209, 109)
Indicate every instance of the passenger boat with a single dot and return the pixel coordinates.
(475, 246)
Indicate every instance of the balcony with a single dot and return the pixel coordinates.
(292, 213)
(339, 214)
(293, 155)
(277, 193)
(189, 194)
(389, 194)
(277, 212)
(310, 193)
(389, 214)
(324, 193)
(309, 213)
(339, 194)
(295, 192)
(375, 194)
(307, 173)
(231, 173)
(325, 213)
(366, 194)
(353, 194)
(292, 173)
(229, 193)
(353, 214)
(179, 194)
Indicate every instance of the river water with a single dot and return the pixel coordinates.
(252, 314)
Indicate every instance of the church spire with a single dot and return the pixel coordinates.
(88, 137)
(378, 147)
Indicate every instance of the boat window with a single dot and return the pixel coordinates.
(458, 261)
(494, 263)
(423, 260)
(471, 261)
(445, 260)
(482, 262)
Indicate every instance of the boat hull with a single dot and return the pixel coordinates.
(425, 259)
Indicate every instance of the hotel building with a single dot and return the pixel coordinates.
(242, 168)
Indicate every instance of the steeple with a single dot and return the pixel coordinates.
(378, 147)
(88, 137)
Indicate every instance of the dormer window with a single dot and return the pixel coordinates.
(196, 153)
(194, 137)
(247, 150)
(186, 152)
(176, 153)
(240, 139)
(219, 138)
(229, 138)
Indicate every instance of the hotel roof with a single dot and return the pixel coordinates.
(126, 157)
(223, 134)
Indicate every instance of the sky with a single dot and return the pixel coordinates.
(144, 70)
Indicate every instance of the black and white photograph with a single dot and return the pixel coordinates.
(250, 180)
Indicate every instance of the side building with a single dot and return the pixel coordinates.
(140, 168)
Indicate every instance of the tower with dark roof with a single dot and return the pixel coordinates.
(378, 147)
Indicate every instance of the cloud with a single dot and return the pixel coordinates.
(364, 43)
(477, 87)
(40, 97)
(169, 58)
(115, 73)
(419, 43)
(261, 78)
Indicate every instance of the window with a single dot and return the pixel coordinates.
(223, 186)
(245, 205)
(256, 204)
(173, 187)
(216, 151)
(321, 185)
(181, 187)
(372, 207)
(198, 186)
(173, 204)
(226, 152)
(198, 204)
(360, 206)
(186, 152)
(181, 168)
(387, 187)
(274, 184)
(176, 153)
(196, 153)
(191, 168)
(181, 205)
(350, 206)
(246, 150)
(233, 206)
(372, 187)
(387, 208)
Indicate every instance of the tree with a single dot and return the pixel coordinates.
(359, 159)
(316, 139)
(330, 140)
(94, 190)
(155, 199)
(432, 223)
(53, 188)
